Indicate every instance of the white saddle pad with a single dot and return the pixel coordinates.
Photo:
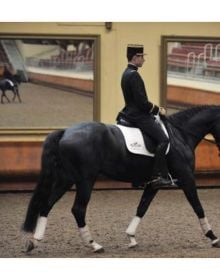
(134, 139)
(10, 82)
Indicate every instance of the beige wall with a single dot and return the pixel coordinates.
(113, 49)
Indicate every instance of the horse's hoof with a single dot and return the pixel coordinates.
(133, 243)
(29, 246)
(216, 244)
(97, 248)
(100, 250)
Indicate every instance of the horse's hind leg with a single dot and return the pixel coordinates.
(52, 184)
(146, 199)
(192, 196)
(47, 203)
(83, 193)
(4, 95)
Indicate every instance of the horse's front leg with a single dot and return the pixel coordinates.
(16, 93)
(144, 204)
(192, 196)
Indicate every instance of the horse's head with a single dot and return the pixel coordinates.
(215, 131)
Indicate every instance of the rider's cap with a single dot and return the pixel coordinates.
(133, 50)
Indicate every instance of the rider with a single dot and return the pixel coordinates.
(140, 112)
(7, 73)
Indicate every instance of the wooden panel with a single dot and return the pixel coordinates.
(177, 95)
(207, 157)
(20, 166)
(78, 84)
(20, 158)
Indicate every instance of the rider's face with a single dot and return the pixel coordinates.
(139, 60)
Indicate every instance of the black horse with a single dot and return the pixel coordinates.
(12, 85)
(77, 155)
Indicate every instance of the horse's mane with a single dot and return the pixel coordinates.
(181, 118)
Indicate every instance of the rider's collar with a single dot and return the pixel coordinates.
(132, 66)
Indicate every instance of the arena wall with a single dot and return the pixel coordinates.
(22, 161)
(82, 85)
(184, 96)
(23, 157)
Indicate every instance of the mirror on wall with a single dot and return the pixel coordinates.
(190, 72)
(56, 77)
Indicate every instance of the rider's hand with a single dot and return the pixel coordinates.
(162, 111)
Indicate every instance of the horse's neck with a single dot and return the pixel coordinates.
(195, 132)
(195, 129)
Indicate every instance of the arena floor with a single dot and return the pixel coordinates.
(169, 230)
(44, 106)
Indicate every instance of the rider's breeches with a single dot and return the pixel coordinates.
(154, 130)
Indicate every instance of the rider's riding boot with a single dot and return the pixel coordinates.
(160, 171)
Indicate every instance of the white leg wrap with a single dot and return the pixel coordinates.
(40, 228)
(205, 225)
(86, 235)
(87, 238)
(131, 230)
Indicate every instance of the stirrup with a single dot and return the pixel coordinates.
(173, 181)
(151, 181)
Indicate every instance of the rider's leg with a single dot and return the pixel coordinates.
(160, 170)
(160, 163)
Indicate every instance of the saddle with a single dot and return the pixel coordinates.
(136, 141)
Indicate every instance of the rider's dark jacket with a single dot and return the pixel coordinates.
(7, 74)
(137, 104)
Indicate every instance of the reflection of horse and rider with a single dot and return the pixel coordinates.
(9, 81)
(140, 112)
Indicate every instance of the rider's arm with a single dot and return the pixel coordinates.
(140, 96)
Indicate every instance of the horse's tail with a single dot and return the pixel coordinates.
(50, 163)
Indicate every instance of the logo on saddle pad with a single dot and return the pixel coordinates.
(135, 145)
(135, 142)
